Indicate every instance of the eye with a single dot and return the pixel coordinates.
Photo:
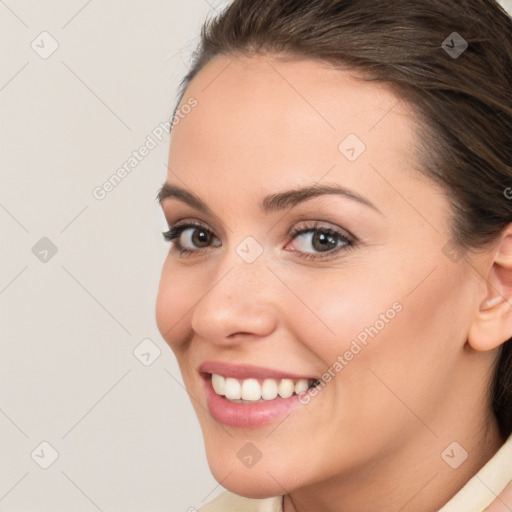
(326, 240)
(194, 238)
(197, 236)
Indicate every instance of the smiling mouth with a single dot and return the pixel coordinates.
(254, 390)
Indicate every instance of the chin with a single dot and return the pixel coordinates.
(249, 482)
(254, 489)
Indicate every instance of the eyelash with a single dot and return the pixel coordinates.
(175, 232)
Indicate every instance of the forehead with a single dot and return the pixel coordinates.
(265, 122)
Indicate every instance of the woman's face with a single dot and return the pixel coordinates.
(380, 317)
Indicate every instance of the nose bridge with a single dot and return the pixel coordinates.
(242, 270)
(238, 298)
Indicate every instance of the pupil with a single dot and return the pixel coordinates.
(324, 239)
(201, 237)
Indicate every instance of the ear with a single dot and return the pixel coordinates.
(492, 324)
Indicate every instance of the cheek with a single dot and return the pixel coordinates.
(403, 324)
(396, 340)
(387, 297)
(343, 309)
(174, 300)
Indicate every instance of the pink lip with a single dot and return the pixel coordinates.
(246, 371)
(246, 415)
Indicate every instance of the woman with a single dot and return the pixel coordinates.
(339, 284)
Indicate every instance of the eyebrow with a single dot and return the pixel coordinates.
(270, 203)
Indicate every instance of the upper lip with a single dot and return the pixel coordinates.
(245, 371)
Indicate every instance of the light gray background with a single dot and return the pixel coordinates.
(126, 434)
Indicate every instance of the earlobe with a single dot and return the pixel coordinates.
(492, 323)
(490, 303)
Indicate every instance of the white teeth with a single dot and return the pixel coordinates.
(232, 389)
(269, 389)
(301, 386)
(218, 383)
(252, 390)
(286, 388)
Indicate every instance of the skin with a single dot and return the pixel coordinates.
(503, 502)
(372, 438)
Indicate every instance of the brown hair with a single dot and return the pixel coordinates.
(464, 101)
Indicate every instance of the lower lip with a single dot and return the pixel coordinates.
(247, 415)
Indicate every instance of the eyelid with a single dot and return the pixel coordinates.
(304, 226)
(295, 229)
(294, 226)
(185, 222)
(193, 220)
(177, 228)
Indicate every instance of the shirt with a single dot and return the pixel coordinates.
(477, 494)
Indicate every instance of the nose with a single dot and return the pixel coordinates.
(239, 303)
